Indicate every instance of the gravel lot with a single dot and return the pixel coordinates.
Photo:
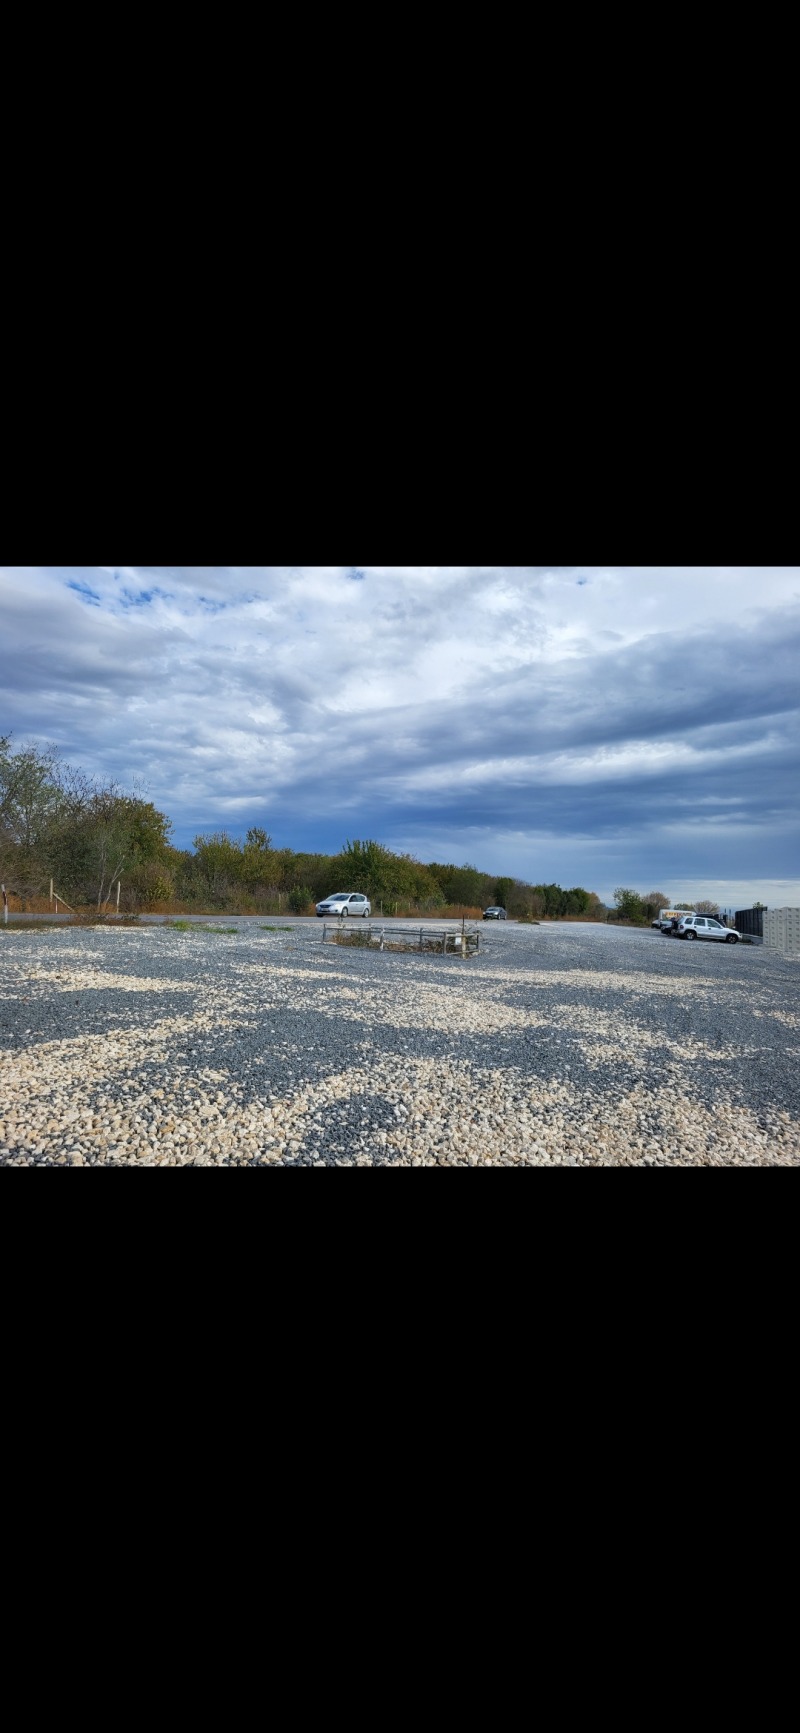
(558, 1045)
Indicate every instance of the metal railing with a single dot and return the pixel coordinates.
(442, 940)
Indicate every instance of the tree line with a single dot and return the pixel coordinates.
(57, 823)
(87, 836)
(639, 909)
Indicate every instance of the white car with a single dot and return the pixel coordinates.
(345, 903)
(703, 927)
(669, 918)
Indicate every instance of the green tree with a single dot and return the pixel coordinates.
(218, 865)
(366, 867)
(576, 901)
(115, 832)
(256, 869)
(370, 867)
(465, 885)
(146, 884)
(56, 822)
(552, 899)
(31, 802)
(630, 906)
(503, 891)
(315, 870)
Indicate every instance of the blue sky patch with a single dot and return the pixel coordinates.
(84, 591)
(141, 598)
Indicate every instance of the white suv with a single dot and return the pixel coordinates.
(345, 903)
(703, 927)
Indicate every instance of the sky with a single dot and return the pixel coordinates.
(588, 725)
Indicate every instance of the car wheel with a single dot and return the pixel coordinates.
(732, 939)
(344, 912)
(691, 934)
(364, 914)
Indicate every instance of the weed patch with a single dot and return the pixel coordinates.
(197, 927)
(32, 926)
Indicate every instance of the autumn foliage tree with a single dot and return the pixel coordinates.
(57, 823)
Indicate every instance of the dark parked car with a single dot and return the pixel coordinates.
(495, 915)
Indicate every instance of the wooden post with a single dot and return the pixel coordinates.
(51, 893)
(118, 885)
(5, 907)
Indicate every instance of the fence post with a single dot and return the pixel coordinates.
(5, 907)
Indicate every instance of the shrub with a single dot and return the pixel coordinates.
(148, 886)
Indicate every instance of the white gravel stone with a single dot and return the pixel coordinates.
(549, 1049)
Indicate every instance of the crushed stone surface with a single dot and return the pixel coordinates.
(555, 1046)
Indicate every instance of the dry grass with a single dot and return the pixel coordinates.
(85, 918)
(33, 905)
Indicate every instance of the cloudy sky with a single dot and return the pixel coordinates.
(594, 725)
